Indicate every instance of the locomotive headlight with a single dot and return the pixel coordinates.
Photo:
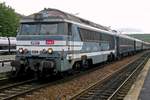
(20, 50)
(50, 50)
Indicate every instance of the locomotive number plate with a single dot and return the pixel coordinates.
(35, 42)
(34, 52)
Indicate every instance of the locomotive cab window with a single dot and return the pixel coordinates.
(48, 28)
(28, 29)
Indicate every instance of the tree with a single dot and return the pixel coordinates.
(9, 21)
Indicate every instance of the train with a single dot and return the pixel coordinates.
(7, 45)
(52, 41)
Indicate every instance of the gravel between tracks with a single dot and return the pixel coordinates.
(63, 91)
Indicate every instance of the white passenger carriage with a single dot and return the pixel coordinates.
(7, 45)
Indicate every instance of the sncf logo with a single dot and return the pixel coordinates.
(49, 42)
(35, 43)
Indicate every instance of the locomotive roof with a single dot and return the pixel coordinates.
(58, 14)
(54, 13)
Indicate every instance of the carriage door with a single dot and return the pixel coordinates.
(73, 39)
(117, 46)
(70, 41)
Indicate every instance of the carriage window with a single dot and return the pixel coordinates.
(109, 38)
(105, 46)
(89, 35)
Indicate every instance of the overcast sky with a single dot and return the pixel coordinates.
(134, 14)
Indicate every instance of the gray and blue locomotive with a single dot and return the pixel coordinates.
(53, 41)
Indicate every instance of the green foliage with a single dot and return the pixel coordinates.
(9, 21)
(144, 37)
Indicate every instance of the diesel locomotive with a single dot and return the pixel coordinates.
(52, 41)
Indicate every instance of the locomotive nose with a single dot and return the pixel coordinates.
(48, 64)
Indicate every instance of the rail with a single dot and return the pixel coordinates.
(124, 87)
(11, 90)
(23, 89)
(110, 87)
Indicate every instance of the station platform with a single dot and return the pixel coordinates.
(140, 90)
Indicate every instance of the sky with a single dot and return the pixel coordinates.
(118, 14)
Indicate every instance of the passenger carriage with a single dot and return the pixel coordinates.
(7, 45)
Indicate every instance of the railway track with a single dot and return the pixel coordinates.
(3, 75)
(20, 89)
(12, 90)
(68, 80)
(4, 79)
(116, 85)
